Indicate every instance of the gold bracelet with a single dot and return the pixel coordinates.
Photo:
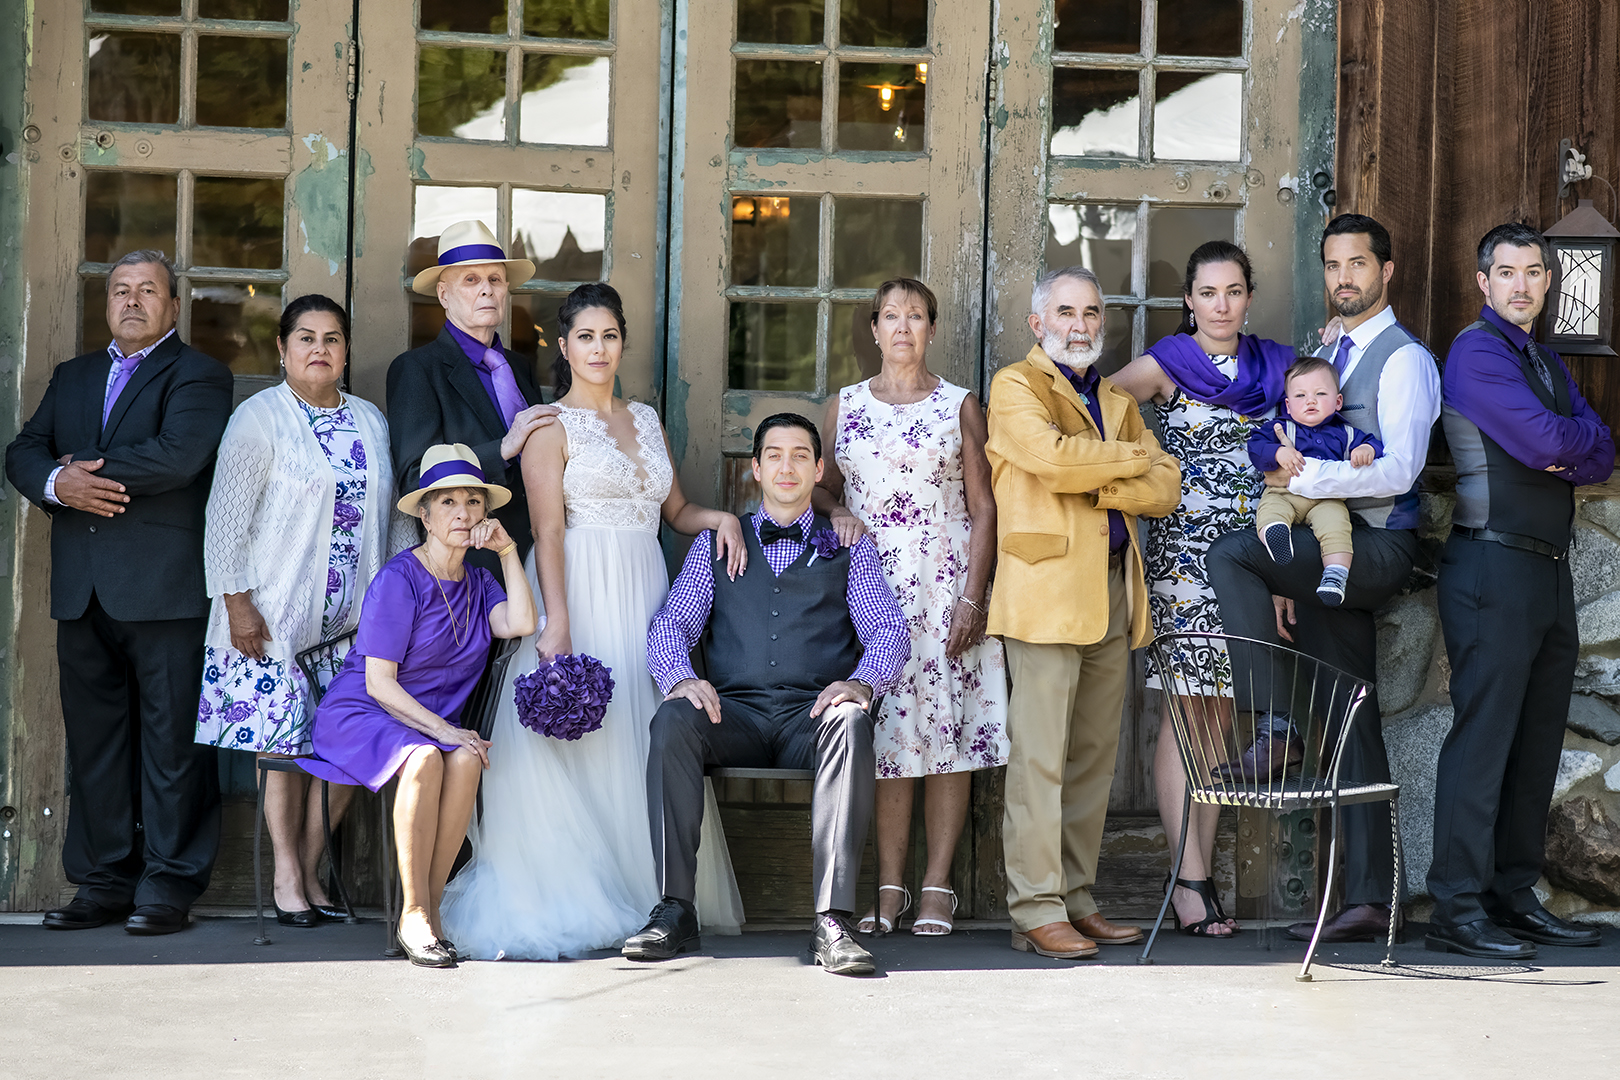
(971, 604)
(507, 550)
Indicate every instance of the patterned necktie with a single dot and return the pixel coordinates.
(125, 368)
(507, 395)
(1538, 364)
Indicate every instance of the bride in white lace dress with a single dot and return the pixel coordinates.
(562, 857)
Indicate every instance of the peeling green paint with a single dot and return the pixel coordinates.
(1001, 117)
(1318, 117)
(676, 424)
(321, 193)
(363, 170)
(418, 163)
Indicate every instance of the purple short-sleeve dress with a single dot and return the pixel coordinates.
(404, 619)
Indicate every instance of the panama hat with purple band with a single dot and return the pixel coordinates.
(470, 243)
(452, 466)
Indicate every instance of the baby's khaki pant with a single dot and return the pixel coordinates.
(1328, 518)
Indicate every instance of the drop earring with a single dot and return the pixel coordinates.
(1192, 321)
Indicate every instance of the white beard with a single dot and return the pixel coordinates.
(1076, 358)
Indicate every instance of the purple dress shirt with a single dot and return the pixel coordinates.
(494, 371)
(879, 623)
(1086, 386)
(118, 376)
(1331, 440)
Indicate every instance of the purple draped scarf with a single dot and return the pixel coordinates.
(1258, 387)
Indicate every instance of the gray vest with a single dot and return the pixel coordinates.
(792, 632)
(1360, 410)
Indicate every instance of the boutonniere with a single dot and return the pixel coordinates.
(825, 543)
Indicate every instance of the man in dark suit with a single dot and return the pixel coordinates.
(463, 387)
(120, 454)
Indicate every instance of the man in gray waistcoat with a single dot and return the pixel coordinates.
(1391, 389)
(796, 647)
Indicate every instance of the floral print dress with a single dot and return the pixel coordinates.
(260, 705)
(902, 467)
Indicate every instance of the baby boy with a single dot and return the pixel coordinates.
(1314, 430)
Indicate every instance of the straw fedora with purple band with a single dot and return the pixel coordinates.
(452, 466)
(470, 243)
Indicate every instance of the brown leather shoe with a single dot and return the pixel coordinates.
(1059, 940)
(1103, 932)
(1358, 922)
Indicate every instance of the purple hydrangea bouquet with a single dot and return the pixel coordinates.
(566, 698)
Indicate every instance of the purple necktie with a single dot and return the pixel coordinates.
(126, 368)
(507, 394)
(1342, 358)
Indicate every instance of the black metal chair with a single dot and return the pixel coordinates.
(1224, 699)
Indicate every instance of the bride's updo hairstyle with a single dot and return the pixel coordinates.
(596, 294)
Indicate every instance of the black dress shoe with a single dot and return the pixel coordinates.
(151, 919)
(306, 918)
(1358, 922)
(82, 914)
(1544, 928)
(328, 913)
(833, 946)
(450, 949)
(1481, 938)
(1268, 758)
(671, 929)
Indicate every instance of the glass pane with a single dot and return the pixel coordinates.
(124, 211)
(136, 7)
(1198, 117)
(1161, 323)
(772, 347)
(1118, 348)
(1173, 233)
(895, 24)
(1580, 291)
(236, 325)
(852, 355)
(93, 330)
(880, 107)
(1200, 28)
(241, 82)
(565, 100)
(586, 19)
(427, 319)
(781, 22)
(133, 78)
(1096, 237)
(562, 231)
(237, 222)
(437, 208)
(774, 240)
(1106, 26)
(778, 103)
(261, 10)
(461, 93)
(875, 240)
(464, 16)
(1094, 113)
(534, 332)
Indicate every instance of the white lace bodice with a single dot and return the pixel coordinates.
(603, 486)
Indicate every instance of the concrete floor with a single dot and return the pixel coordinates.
(324, 1003)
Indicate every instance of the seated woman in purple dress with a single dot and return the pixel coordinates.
(422, 644)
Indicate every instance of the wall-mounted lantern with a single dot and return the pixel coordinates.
(1580, 305)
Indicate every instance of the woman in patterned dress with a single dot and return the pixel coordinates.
(298, 522)
(908, 461)
(1208, 384)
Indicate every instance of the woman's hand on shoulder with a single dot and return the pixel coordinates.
(728, 543)
(849, 528)
(1330, 333)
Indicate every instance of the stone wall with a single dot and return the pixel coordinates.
(1582, 878)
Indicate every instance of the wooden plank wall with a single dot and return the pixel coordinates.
(1449, 121)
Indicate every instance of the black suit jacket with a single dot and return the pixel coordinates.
(160, 441)
(435, 396)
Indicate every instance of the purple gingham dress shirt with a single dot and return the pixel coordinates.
(879, 623)
(118, 376)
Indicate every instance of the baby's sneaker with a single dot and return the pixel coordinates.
(1279, 539)
(1331, 588)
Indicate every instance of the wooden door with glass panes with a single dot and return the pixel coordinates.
(539, 117)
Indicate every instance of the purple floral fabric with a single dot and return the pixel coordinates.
(902, 467)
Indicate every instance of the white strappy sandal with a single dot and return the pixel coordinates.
(879, 924)
(918, 924)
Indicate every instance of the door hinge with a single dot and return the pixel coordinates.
(351, 49)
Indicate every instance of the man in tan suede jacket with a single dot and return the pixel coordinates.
(1073, 466)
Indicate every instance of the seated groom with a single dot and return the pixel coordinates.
(797, 646)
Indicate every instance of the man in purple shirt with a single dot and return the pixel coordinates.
(795, 649)
(1523, 438)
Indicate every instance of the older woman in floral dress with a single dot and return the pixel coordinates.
(298, 523)
(908, 460)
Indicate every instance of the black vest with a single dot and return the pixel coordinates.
(1495, 490)
(790, 632)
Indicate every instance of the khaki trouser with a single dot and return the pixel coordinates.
(1328, 518)
(1063, 721)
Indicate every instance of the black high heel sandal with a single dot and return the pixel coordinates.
(1213, 915)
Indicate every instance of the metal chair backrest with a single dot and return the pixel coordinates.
(479, 712)
(321, 663)
(1225, 692)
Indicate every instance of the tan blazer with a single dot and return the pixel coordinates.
(1055, 477)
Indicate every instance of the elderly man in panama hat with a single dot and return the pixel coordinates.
(463, 387)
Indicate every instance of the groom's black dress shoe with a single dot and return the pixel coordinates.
(671, 929)
(833, 946)
(150, 919)
(1481, 938)
(1544, 928)
(82, 914)
(1267, 759)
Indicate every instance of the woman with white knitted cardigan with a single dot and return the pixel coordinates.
(300, 517)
